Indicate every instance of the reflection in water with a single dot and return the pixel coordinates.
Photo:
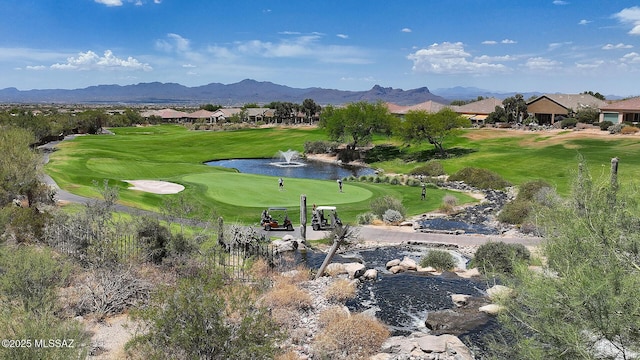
(311, 170)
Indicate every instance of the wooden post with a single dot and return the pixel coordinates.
(303, 217)
(327, 259)
(614, 173)
(220, 231)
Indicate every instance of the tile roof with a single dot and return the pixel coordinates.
(201, 114)
(632, 104)
(486, 106)
(429, 106)
(573, 101)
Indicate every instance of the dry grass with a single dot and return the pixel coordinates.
(350, 337)
(332, 314)
(286, 295)
(289, 355)
(296, 276)
(341, 290)
(629, 130)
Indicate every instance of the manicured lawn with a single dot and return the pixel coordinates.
(172, 153)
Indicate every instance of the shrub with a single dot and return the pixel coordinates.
(341, 290)
(615, 128)
(530, 189)
(588, 116)
(350, 337)
(394, 181)
(480, 178)
(438, 259)
(287, 295)
(365, 218)
(515, 212)
(605, 125)
(319, 147)
(155, 239)
(380, 205)
(382, 153)
(449, 203)
(431, 168)
(392, 217)
(568, 123)
(204, 318)
(499, 257)
(629, 130)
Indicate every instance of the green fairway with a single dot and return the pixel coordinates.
(173, 153)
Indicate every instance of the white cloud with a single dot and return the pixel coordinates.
(175, 43)
(553, 46)
(91, 61)
(560, 2)
(406, 30)
(592, 65)
(110, 2)
(631, 58)
(189, 66)
(449, 58)
(540, 63)
(630, 16)
(36, 67)
(342, 36)
(487, 58)
(489, 42)
(617, 46)
(508, 41)
(583, 22)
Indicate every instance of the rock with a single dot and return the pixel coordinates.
(429, 269)
(406, 223)
(287, 237)
(498, 291)
(393, 263)
(469, 273)
(430, 344)
(409, 263)
(460, 299)
(370, 274)
(335, 269)
(355, 270)
(280, 246)
(397, 269)
(491, 309)
(380, 356)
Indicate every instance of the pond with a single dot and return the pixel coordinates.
(306, 169)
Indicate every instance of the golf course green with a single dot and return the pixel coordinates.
(175, 154)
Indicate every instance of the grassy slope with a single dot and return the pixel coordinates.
(175, 154)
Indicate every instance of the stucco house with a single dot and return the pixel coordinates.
(551, 107)
(478, 111)
(621, 111)
(428, 106)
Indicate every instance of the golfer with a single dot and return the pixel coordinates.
(340, 184)
(424, 192)
(281, 183)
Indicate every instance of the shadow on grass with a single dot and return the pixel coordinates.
(381, 153)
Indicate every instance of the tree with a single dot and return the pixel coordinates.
(498, 115)
(210, 107)
(584, 303)
(357, 122)
(310, 108)
(596, 95)
(20, 166)
(515, 107)
(420, 125)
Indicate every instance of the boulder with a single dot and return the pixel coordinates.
(335, 269)
(280, 246)
(393, 263)
(429, 269)
(355, 270)
(491, 309)
(498, 292)
(288, 237)
(423, 346)
(460, 299)
(370, 274)
(397, 269)
(469, 273)
(409, 263)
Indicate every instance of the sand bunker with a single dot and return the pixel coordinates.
(154, 186)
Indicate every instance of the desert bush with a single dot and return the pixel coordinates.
(350, 337)
(629, 130)
(26, 225)
(615, 128)
(449, 203)
(341, 290)
(438, 259)
(319, 147)
(515, 212)
(395, 181)
(202, 317)
(286, 295)
(29, 276)
(365, 218)
(499, 257)
(332, 314)
(155, 239)
(18, 323)
(431, 168)
(380, 205)
(480, 178)
(110, 291)
(605, 125)
(568, 123)
(588, 116)
(530, 189)
(392, 216)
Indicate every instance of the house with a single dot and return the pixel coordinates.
(260, 114)
(166, 114)
(478, 111)
(428, 106)
(621, 111)
(549, 108)
(221, 115)
(201, 114)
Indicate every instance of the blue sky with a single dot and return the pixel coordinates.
(538, 45)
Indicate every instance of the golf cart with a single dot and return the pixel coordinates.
(268, 222)
(325, 218)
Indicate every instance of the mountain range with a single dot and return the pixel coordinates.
(245, 91)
